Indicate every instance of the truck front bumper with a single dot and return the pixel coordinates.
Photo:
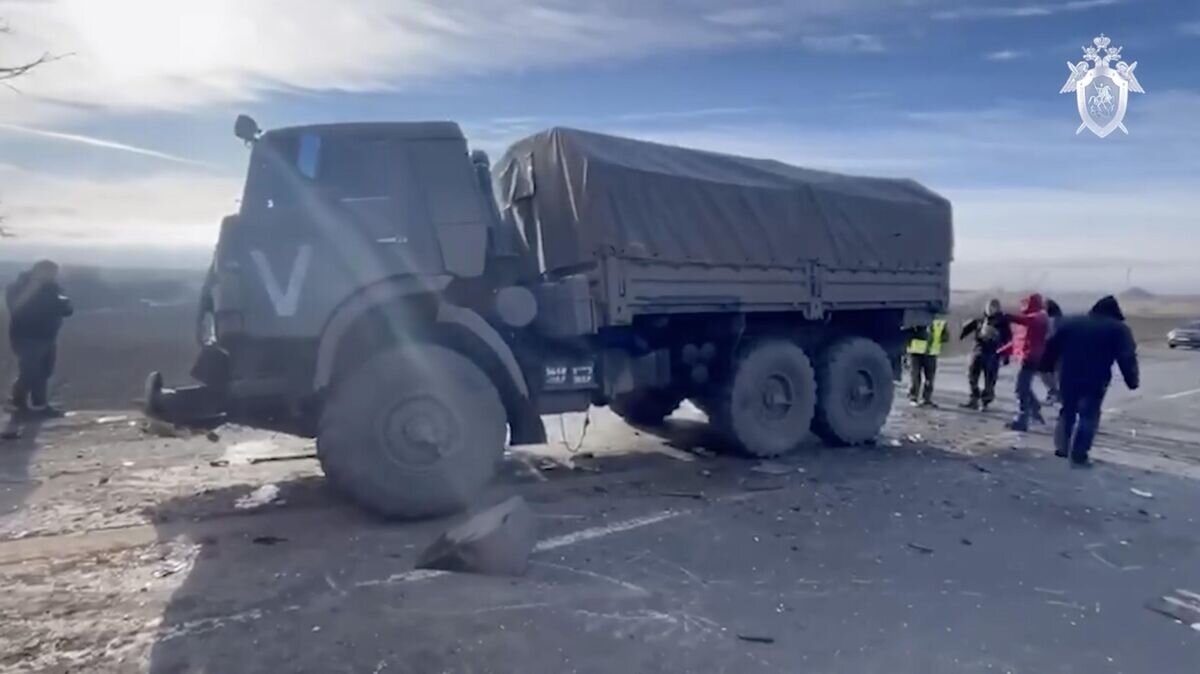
(203, 405)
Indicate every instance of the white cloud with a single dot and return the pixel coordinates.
(1005, 55)
(1022, 11)
(153, 54)
(687, 114)
(183, 208)
(97, 142)
(851, 43)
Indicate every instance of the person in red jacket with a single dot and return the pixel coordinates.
(1030, 330)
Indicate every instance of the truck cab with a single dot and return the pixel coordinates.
(351, 239)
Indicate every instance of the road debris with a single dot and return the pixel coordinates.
(1138, 492)
(698, 495)
(755, 639)
(113, 419)
(497, 541)
(772, 484)
(268, 540)
(774, 468)
(981, 468)
(171, 568)
(924, 550)
(1182, 605)
(299, 456)
(268, 493)
(163, 429)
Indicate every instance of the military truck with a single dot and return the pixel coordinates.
(384, 290)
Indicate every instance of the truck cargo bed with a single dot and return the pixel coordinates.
(664, 229)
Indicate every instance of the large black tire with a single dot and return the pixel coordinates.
(414, 432)
(767, 408)
(854, 391)
(645, 407)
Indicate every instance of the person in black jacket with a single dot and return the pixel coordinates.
(1084, 349)
(991, 331)
(1049, 376)
(36, 308)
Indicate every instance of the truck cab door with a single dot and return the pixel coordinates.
(322, 216)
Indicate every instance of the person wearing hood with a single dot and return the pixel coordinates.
(1027, 345)
(1084, 349)
(1049, 376)
(991, 331)
(36, 308)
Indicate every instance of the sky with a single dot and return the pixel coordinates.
(122, 149)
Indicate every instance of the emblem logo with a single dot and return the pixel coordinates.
(1102, 91)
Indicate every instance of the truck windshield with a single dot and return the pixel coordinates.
(345, 168)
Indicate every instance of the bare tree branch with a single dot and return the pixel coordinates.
(15, 71)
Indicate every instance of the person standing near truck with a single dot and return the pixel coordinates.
(1084, 349)
(1027, 345)
(923, 351)
(991, 331)
(36, 308)
(1048, 374)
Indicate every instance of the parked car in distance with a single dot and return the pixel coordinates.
(1186, 335)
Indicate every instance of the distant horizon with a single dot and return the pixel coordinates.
(1177, 277)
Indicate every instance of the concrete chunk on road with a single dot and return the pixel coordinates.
(495, 542)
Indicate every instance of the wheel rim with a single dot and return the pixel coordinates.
(860, 394)
(777, 399)
(419, 432)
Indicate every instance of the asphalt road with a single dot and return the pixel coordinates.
(953, 546)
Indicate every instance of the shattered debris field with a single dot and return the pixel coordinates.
(951, 546)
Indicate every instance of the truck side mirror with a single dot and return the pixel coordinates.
(246, 128)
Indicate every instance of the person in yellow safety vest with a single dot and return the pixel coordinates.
(923, 351)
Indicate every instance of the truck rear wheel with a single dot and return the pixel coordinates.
(645, 407)
(414, 432)
(768, 406)
(854, 391)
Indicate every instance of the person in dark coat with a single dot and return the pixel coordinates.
(991, 331)
(1084, 349)
(1049, 376)
(36, 308)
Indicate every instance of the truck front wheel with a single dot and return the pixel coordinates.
(768, 405)
(854, 391)
(414, 432)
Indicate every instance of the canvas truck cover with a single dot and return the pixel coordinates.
(592, 195)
